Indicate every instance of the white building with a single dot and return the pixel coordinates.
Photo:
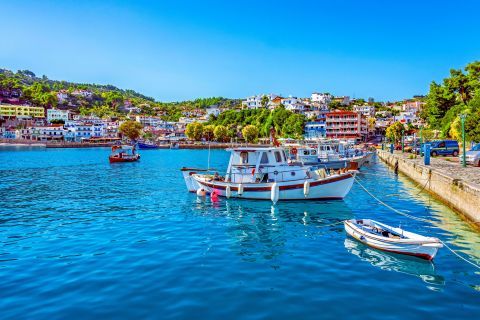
(413, 106)
(315, 129)
(366, 110)
(44, 133)
(185, 120)
(212, 110)
(255, 102)
(406, 117)
(62, 96)
(323, 98)
(293, 104)
(83, 93)
(149, 121)
(78, 130)
(55, 114)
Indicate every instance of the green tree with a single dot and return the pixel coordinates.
(394, 131)
(130, 129)
(194, 131)
(293, 126)
(208, 132)
(265, 100)
(221, 133)
(250, 133)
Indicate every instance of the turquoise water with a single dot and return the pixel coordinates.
(81, 238)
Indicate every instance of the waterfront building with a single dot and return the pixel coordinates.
(56, 114)
(81, 130)
(9, 134)
(21, 111)
(346, 124)
(315, 129)
(54, 132)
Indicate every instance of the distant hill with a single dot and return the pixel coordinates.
(24, 86)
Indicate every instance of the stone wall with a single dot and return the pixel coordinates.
(461, 195)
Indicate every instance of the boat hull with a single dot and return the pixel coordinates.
(333, 187)
(146, 146)
(415, 249)
(118, 159)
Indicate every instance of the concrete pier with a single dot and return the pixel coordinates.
(457, 187)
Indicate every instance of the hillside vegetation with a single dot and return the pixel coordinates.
(102, 100)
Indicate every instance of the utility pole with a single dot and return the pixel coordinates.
(403, 140)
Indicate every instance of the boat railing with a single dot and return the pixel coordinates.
(275, 176)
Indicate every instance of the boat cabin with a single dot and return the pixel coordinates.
(261, 165)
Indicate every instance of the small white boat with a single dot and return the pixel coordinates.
(264, 173)
(383, 237)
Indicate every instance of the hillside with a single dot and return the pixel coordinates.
(24, 86)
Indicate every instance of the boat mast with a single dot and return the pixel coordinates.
(208, 160)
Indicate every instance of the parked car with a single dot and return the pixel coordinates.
(440, 147)
(445, 148)
(473, 156)
(412, 148)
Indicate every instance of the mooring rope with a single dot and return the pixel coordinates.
(390, 207)
(418, 219)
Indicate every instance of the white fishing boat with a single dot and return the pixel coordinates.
(383, 237)
(264, 173)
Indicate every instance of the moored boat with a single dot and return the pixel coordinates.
(383, 237)
(123, 153)
(147, 145)
(264, 173)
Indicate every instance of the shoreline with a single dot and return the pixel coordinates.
(70, 145)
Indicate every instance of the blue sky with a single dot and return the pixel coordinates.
(176, 50)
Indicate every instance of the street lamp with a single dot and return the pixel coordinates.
(462, 118)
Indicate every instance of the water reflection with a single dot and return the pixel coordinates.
(260, 231)
(444, 220)
(423, 269)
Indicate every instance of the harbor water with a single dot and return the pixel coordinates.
(81, 238)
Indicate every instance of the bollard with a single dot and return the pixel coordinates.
(426, 159)
(391, 148)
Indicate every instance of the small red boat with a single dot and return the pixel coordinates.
(123, 153)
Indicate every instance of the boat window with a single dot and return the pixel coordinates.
(305, 152)
(278, 157)
(244, 157)
(264, 158)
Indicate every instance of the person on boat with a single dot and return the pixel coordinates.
(216, 177)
